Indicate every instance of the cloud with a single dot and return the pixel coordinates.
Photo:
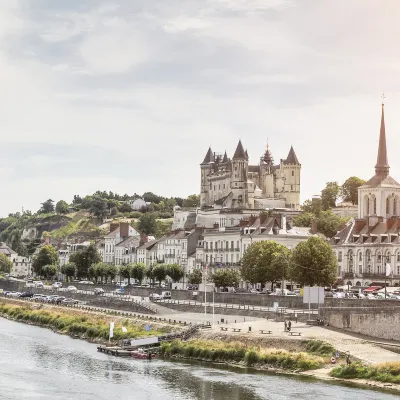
(127, 96)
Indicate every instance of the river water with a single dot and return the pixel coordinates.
(36, 363)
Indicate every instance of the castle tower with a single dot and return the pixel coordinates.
(239, 177)
(206, 168)
(267, 181)
(291, 168)
(380, 196)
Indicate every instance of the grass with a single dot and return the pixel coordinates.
(320, 348)
(73, 322)
(238, 352)
(387, 372)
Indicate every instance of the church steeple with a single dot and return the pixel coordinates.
(382, 165)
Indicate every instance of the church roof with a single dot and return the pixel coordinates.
(209, 157)
(239, 153)
(292, 158)
(225, 159)
(381, 177)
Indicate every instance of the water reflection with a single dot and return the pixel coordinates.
(37, 363)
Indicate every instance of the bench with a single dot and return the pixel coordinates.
(265, 332)
(236, 330)
(223, 328)
(295, 333)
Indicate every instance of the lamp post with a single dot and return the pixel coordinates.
(212, 285)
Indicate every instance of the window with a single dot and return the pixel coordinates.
(374, 206)
(398, 257)
(395, 206)
(340, 256)
(398, 270)
(378, 269)
(360, 269)
(387, 205)
(224, 185)
(368, 255)
(360, 256)
(379, 257)
(232, 244)
(292, 173)
(291, 187)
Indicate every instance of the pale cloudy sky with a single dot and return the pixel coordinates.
(127, 95)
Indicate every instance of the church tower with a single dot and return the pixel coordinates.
(290, 169)
(379, 197)
(239, 177)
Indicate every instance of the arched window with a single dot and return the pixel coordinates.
(368, 255)
(366, 205)
(360, 256)
(395, 205)
(374, 206)
(387, 205)
(379, 257)
(378, 268)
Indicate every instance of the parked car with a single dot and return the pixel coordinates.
(192, 287)
(155, 296)
(72, 289)
(59, 299)
(254, 291)
(86, 282)
(98, 291)
(56, 285)
(166, 295)
(26, 295)
(37, 297)
(13, 294)
(38, 284)
(69, 301)
(118, 292)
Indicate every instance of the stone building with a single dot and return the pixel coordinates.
(371, 241)
(234, 183)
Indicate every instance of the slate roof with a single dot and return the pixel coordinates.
(292, 158)
(239, 152)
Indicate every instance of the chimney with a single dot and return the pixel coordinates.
(124, 229)
(314, 228)
(359, 225)
(113, 226)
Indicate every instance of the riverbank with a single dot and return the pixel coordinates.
(293, 357)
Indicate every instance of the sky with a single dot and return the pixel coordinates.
(128, 95)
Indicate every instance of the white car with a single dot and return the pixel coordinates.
(71, 289)
(56, 285)
(155, 296)
(38, 284)
(86, 282)
(14, 294)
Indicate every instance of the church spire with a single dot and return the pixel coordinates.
(382, 165)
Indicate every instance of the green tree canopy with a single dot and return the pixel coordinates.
(160, 272)
(175, 272)
(62, 207)
(99, 270)
(69, 270)
(313, 206)
(49, 271)
(349, 189)
(147, 224)
(192, 201)
(226, 277)
(313, 263)
(47, 207)
(329, 195)
(83, 259)
(196, 277)
(47, 255)
(259, 263)
(5, 264)
(138, 271)
(125, 272)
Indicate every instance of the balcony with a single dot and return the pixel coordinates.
(370, 275)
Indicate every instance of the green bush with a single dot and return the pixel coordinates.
(321, 348)
(388, 372)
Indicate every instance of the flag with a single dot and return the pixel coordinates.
(124, 329)
(111, 329)
(388, 269)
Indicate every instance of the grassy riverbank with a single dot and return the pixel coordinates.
(235, 352)
(89, 326)
(387, 372)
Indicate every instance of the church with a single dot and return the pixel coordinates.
(367, 244)
(235, 184)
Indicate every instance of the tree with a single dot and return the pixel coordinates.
(99, 270)
(149, 274)
(111, 272)
(313, 263)
(159, 272)
(125, 207)
(329, 195)
(125, 272)
(98, 207)
(175, 272)
(62, 207)
(349, 189)
(192, 201)
(259, 263)
(147, 224)
(196, 277)
(47, 256)
(313, 206)
(47, 207)
(69, 270)
(83, 259)
(5, 264)
(163, 228)
(226, 277)
(138, 271)
(304, 219)
(49, 271)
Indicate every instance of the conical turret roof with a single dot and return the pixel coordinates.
(292, 158)
(382, 164)
(225, 159)
(209, 157)
(239, 153)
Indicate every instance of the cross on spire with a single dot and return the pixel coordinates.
(383, 97)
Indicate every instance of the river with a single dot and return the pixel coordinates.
(36, 363)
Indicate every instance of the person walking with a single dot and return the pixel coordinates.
(289, 327)
(285, 326)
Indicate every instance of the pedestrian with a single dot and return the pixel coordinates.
(285, 326)
(348, 361)
(289, 325)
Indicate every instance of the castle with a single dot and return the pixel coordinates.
(233, 183)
